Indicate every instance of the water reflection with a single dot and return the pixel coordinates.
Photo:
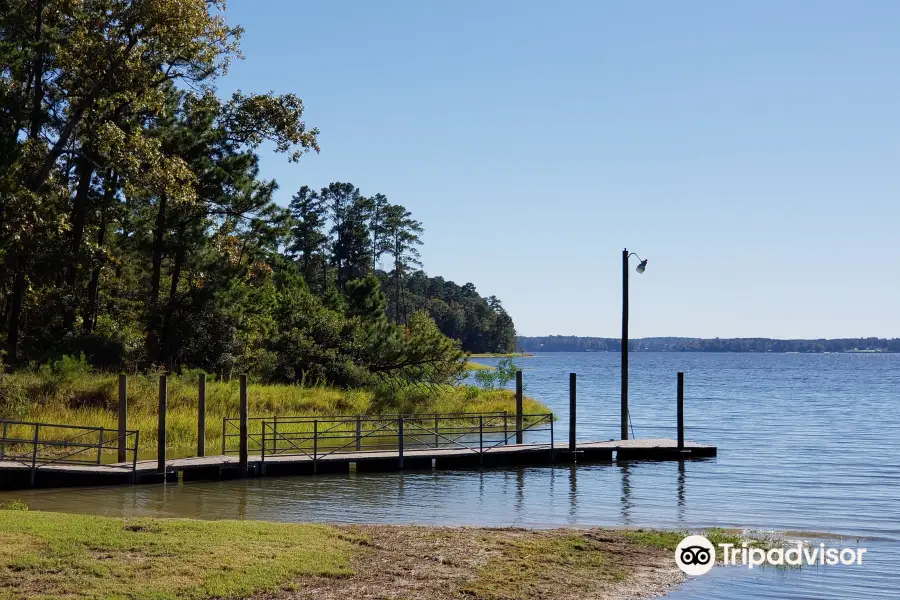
(573, 493)
(680, 504)
(627, 505)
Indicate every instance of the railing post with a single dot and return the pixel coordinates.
(37, 428)
(552, 441)
(520, 438)
(680, 411)
(400, 437)
(437, 439)
(161, 429)
(245, 424)
(3, 440)
(137, 439)
(123, 417)
(505, 429)
(358, 433)
(263, 451)
(480, 439)
(100, 449)
(224, 431)
(315, 443)
(572, 419)
(275, 436)
(201, 414)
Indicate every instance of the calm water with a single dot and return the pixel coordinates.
(806, 442)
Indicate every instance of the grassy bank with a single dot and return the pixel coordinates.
(51, 555)
(90, 399)
(474, 366)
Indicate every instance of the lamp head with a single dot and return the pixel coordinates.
(642, 266)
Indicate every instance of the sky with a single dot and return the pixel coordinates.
(748, 150)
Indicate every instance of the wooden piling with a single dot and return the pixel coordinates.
(201, 414)
(680, 411)
(572, 419)
(520, 438)
(123, 417)
(161, 430)
(242, 460)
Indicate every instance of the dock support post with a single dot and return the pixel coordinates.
(519, 434)
(161, 429)
(34, 451)
(242, 458)
(123, 417)
(572, 419)
(201, 414)
(680, 412)
(400, 438)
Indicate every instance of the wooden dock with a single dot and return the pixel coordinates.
(17, 474)
(51, 455)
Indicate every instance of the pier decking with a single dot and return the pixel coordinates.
(18, 474)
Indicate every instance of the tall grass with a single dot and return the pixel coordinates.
(88, 399)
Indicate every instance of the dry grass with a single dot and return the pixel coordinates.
(494, 564)
(88, 399)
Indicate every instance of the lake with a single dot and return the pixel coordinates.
(806, 443)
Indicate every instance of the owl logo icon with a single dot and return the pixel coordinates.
(695, 555)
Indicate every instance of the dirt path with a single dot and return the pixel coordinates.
(494, 564)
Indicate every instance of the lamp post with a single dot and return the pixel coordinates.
(640, 269)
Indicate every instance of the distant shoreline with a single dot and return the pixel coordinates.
(501, 355)
(562, 343)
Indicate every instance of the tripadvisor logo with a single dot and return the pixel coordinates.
(696, 555)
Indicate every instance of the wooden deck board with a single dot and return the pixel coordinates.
(653, 449)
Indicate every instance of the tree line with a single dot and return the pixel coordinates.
(135, 228)
(563, 343)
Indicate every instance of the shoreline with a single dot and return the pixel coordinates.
(46, 553)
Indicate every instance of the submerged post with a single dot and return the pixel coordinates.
(572, 419)
(123, 417)
(161, 430)
(680, 411)
(519, 433)
(242, 459)
(201, 414)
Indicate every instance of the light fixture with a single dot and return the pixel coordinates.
(642, 266)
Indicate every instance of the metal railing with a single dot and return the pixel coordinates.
(35, 445)
(357, 425)
(319, 437)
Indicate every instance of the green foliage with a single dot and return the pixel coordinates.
(137, 234)
(498, 377)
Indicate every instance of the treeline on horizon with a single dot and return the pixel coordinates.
(136, 230)
(569, 343)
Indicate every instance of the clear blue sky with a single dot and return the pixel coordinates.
(749, 150)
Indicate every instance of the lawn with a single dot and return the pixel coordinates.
(56, 555)
(59, 555)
